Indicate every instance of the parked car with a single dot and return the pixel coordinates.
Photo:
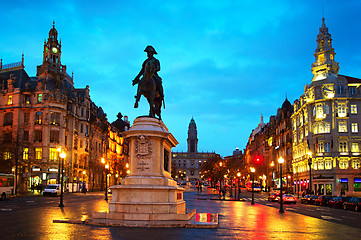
(274, 197)
(354, 203)
(288, 198)
(309, 199)
(323, 200)
(337, 202)
(52, 190)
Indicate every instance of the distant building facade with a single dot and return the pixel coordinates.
(325, 124)
(188, 165)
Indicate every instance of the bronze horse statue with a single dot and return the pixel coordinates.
(148, 88)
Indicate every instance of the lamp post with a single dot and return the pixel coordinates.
(59, 150)
(106, 182)
(281, 161)
(310, 164)
(253, 170)
(106, 178)
(62, 156)
(272, 177)
(239, 179)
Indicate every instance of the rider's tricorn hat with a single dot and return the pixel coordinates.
(150, 49)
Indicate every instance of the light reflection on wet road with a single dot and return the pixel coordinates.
(237, 220)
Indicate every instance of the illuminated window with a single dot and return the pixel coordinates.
(7, 155)
(53, 154)
(353, 109)
(321, 165)
(319, 113)
(343, 146)
(342, 126)
(357, 184)
(54, 118)
(40, 97)
(354, 127)
(327, 128)
(38, 118)
(328, 164)
(306, 117)
(341, 110)
(25, 153)
(27, 99)
(356, 164)
(343, 164)
(10, 99)
(38, 153)
(319, 147)
(355, 147)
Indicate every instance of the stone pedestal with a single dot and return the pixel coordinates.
(148, 196)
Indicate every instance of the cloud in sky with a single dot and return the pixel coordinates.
(223, 62)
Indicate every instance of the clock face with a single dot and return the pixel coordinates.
(54, 49)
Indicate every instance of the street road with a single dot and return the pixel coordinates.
(32, 218)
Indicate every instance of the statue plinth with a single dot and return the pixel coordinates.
(148, 196)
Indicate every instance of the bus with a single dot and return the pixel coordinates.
(256, 186)
(6, 185)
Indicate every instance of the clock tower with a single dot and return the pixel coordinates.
(51, 67)
(52, 48)
(192, 137)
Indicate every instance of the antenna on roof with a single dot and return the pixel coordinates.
(22, 59)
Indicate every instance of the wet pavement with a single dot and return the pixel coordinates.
(32, 218)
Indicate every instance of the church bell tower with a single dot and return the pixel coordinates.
(192, 137)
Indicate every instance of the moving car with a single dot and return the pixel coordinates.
(52, 190)
(309, 199)
(323, 200)
(354, 203)
(288, 198)
(274, 197)
(337, 202)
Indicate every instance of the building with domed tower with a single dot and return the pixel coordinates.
(325, 127)
(188, 165)
(42, 113)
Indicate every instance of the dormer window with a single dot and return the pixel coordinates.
(340, 89)
(352, 90)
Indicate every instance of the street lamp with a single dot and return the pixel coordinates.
(59, 150)
(62, 156)
(310, 164)
(238, 182)
(253, 170)
(281, 161)
(106, 182)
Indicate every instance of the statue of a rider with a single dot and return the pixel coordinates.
(158, 80)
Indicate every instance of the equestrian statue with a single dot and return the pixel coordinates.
(150, 84)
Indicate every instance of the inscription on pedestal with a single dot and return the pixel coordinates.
(142, 166)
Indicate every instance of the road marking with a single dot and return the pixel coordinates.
(348, 217)
(330, 218)
(6, 209)
(29, 201)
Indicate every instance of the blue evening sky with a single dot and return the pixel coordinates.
(223, 62)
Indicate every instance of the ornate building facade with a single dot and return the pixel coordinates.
(188, 165)
(40, 114)
(326, 137)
